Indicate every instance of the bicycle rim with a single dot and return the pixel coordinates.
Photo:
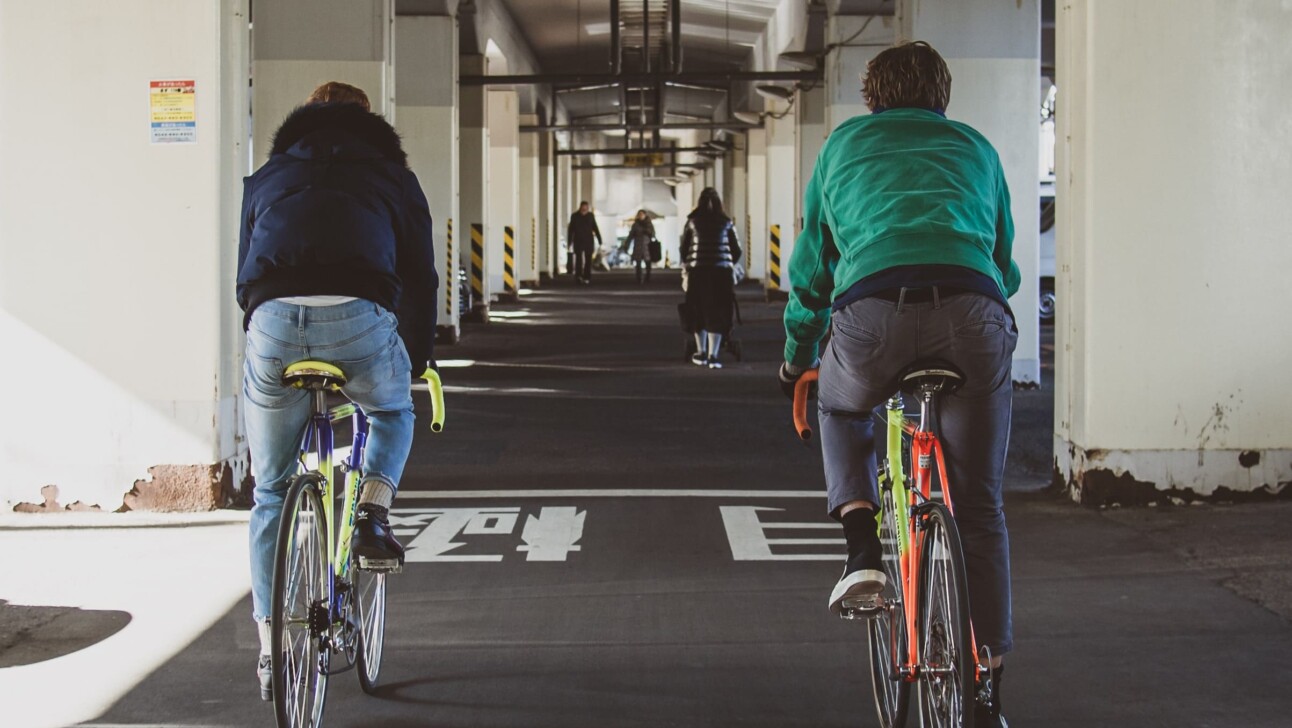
(300, 602)
(946, 680)
(887, 631)
(370, 606)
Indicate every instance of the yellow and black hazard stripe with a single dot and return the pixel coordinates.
(774, 280)
(450, 275)
(509, 259)
(477, 260)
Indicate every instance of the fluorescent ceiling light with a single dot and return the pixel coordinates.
(749, 117)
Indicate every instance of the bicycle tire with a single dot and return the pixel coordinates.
(370, 606)
(887, 630)
(946, 669)
(300, 657)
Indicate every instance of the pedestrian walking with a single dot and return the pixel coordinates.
(580, 233)
(710, 252)
(640, 239)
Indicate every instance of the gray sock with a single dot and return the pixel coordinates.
(266, 639)
(702, 342)
(715, 345)
(377, 492)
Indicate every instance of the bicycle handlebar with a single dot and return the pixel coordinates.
(436, 388)
(801, 388)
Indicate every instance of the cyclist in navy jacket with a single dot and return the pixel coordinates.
(336, 263)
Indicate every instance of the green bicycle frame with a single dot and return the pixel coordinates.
(895, 416)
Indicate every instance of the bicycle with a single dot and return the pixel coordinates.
(324, 603)
(926, 592)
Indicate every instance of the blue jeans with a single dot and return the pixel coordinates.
(872, 341)
(361, 338)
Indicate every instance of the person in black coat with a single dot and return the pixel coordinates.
(710, 251)
(580, 234)
(335, 263)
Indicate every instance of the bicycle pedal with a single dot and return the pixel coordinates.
(384, 566)
(867, 607)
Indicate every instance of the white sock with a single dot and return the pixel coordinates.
(266, 640)
(378, 492)
(701, 342)
(715, 345)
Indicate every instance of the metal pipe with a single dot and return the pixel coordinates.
(723, 77)
(638, 166)
(633, 150)
(616, 45)
(733, 125)
(675, 17)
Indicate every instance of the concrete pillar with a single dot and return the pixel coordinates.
(756, 211)
(118, 252)
(546, 207)
(993, 49)
(299, 44)
(846, 65)
(566, 200)
(813, 113)
(473, 165)
(527, 213)
(783, 196)
(502, 198)
(737, 199)
(1172, 245)
(427, 91)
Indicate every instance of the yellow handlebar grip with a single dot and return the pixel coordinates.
(436, 389)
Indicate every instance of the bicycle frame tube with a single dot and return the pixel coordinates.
(352, 467)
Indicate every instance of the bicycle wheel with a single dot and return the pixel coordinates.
(946, 679)
(299, 618)
(370, 609)
(887, 630)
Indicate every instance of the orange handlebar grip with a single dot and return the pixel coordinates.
(801, 388)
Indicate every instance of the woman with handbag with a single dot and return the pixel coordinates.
(640, 237)
(710, 252)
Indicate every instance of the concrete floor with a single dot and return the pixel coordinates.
(647, 592)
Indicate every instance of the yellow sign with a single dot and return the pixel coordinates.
(643, 159)
(172, 111)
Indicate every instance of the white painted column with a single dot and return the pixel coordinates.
(427, 92)
(299, 44)
(993, 49)
(547, 190)
(527, 231)
(782, 189)
(737, 199)
(1173, 255)
(118, 254)
(502, 197)
(565, 185)
(813, 113)
(473, 174)
(756, 195)
(866, 36)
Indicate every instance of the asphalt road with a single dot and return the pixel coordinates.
(605, 535)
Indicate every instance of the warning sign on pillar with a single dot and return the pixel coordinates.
(172, 112)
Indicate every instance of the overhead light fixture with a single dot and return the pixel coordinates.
(748, 117)
(711, 153)
(799, 59)
(719, 146)
(774, 92)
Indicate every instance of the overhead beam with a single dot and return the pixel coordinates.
(726, 77)
(733, 125)
(639, 150)
(639, 166)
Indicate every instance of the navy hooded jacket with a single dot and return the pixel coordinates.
(336, 211)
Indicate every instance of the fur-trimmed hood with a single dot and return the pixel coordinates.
(344, 119)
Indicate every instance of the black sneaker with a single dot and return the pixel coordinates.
(863, 577)
(700, 359)
(374, 544)
(264, 671)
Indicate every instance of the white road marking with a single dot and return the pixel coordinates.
(608, 493)
(747, 535)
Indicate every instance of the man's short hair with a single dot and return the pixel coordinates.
(335, 92)
(908, 75)
(582, 203)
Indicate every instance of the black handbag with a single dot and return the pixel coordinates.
(656, 252)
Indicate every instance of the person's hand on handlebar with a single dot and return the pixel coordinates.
(789, 375)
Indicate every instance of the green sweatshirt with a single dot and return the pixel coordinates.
(901, 187)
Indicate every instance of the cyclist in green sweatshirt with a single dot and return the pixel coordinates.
(905, 256)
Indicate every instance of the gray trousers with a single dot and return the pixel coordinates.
(872, 341)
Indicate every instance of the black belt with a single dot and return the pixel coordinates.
(923, 294)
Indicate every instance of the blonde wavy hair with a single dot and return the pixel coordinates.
(335, 92)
